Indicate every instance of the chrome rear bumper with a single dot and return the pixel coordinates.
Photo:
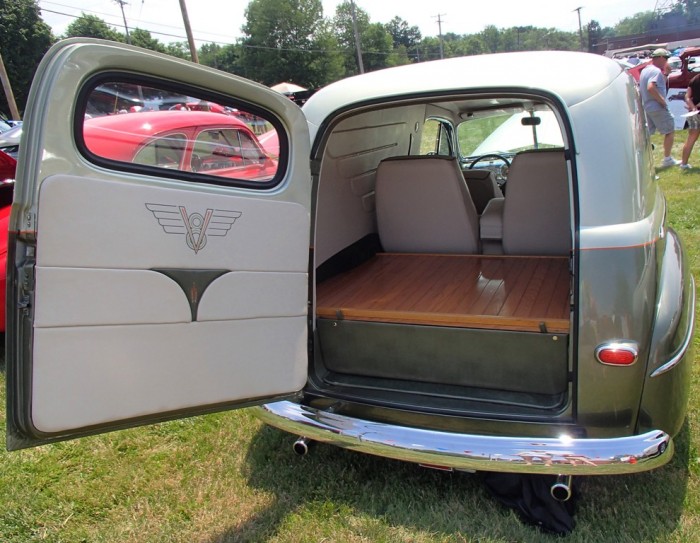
(564, 455)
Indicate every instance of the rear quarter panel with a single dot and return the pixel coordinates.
(621, 214)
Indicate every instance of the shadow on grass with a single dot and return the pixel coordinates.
(329, 482)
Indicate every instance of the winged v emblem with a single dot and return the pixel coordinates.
(196, 227)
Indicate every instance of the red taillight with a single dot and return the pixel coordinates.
(617, 353)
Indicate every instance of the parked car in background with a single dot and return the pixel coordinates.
(678, 82)
(188, 141)
(358, 296)
(9, 141)
(8, 167)
(185, 140)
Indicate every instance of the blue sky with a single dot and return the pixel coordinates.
(220, 21)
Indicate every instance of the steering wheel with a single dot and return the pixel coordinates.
(491, 156)
(500, 172)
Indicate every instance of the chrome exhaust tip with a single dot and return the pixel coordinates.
(301, 446)
(561, 489)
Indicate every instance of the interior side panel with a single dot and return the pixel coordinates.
(345, 205)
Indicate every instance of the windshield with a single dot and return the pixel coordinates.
(507, 133)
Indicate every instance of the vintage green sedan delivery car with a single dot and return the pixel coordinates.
(462, 263)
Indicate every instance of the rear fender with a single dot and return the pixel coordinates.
(667, 379)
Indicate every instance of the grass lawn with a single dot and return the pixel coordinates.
(226, 478)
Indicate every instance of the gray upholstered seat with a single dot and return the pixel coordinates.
(423, 206)
(537, 208)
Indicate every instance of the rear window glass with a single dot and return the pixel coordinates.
(158, 128)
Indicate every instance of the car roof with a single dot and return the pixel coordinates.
(690, 52)
(120, 136)
(574, 77)
(148, 123)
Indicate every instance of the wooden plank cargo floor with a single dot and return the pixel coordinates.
(467, 291)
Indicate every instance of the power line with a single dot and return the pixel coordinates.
(244, 45)
(206, 41)
(120, 25)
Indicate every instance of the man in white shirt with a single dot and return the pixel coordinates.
(653, 87)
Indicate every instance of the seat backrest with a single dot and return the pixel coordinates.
(537, 208)
(423, 206)
(482, 187)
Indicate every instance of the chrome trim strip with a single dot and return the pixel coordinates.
(565, 455)
(680, 353)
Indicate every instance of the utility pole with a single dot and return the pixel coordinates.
(126, 27)
(9, 95)
(188, 31)
(439, 20)
(358, 45)
(580, 30)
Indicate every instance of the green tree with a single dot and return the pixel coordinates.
(429, 49)
(179, 49)
(344, 29)
(474, 46)
(91, 26)
(376, 41)
(143, 38)
(691, 10)
(222, 57)
(637, 24)
(454, 45)
(509, 39)
(403, 35)
(326, 67)
(287, 40)
(594, 34)
(377, 47)
(681, 13)
(398, 57)
(24, 38)
(491, 37)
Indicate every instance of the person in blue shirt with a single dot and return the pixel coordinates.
(653, 87)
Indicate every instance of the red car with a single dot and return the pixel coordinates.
(7, 176)
(193, 141)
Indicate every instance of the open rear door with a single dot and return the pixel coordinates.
(158, 262)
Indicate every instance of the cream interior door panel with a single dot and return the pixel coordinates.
(248, 295)
(91, 376)
(153, 290)
(78, 297)
(117, 224)
(108, 337)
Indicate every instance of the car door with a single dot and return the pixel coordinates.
(140, 293)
